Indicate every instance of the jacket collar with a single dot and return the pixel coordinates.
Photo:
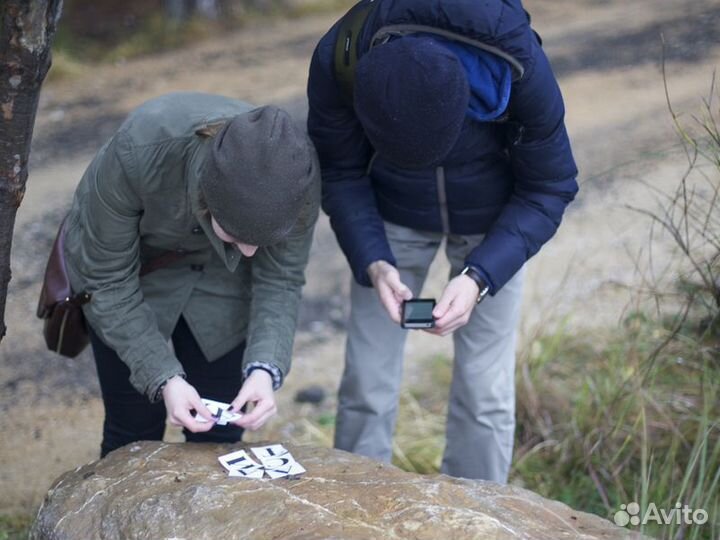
(194, 172)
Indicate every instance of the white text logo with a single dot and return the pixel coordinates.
(629, 514)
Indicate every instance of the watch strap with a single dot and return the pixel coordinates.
(474, 274)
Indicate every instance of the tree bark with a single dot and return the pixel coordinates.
(27, 28)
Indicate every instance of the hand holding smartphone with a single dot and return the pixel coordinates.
(417, 313)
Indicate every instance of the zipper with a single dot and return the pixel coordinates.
(370, 164)
(442, 199)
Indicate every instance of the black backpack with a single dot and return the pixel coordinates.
(346, 45)
(351, 25)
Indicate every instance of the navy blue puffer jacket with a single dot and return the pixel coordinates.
(509, 180)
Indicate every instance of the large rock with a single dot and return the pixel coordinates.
(162, 491)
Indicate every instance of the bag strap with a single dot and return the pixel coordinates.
(56, 283)
(161, 261)
(346, 44)
(398, 30)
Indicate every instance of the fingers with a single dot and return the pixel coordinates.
(454, 316)
(181, 398)
(446, 312)
(393, 292)
(390, 288)
(390, 302)
(182, 417)
(400, 290)
(451, 314)
(455, 306)
(239, 402)
(449, 328)
(257, 389)
(443, 305)
(262, 412)
(248, 393)
(200, 408)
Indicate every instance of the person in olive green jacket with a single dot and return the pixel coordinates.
(221, 198)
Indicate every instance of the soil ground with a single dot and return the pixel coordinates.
(607, 55)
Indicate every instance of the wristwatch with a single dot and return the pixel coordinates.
(474, 274)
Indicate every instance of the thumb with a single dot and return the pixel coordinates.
(242, 398)
(443, 305)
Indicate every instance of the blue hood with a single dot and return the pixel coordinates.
(489, 77)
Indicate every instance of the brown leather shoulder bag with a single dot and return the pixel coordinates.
(65, 330)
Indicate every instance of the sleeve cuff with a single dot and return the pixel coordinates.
(157, 386)
(361, 274)
(273, 370)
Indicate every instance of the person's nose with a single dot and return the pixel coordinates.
(246, 249)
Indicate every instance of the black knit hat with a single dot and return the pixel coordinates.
(261, 170)
(411, 96)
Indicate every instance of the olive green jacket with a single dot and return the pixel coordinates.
(140, 198)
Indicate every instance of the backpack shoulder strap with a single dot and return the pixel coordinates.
(397, 30)
(346, 45)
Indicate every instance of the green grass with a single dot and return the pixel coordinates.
(622, 424)
(64, 67)
(155, 33)
(15, 527)
(602, 420)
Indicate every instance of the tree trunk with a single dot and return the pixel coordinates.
(26, 31)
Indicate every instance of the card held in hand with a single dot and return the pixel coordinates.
(220, 412)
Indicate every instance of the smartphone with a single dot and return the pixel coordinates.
(417, 313)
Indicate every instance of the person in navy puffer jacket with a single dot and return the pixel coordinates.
(438, 120)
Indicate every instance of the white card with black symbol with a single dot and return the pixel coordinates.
(277, 461)
(272, 450)
(220, 411)
(239, 463)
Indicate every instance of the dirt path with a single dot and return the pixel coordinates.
(607, 55)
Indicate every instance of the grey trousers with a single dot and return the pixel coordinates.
(481, 409)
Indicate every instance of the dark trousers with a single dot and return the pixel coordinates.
(129, 415)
